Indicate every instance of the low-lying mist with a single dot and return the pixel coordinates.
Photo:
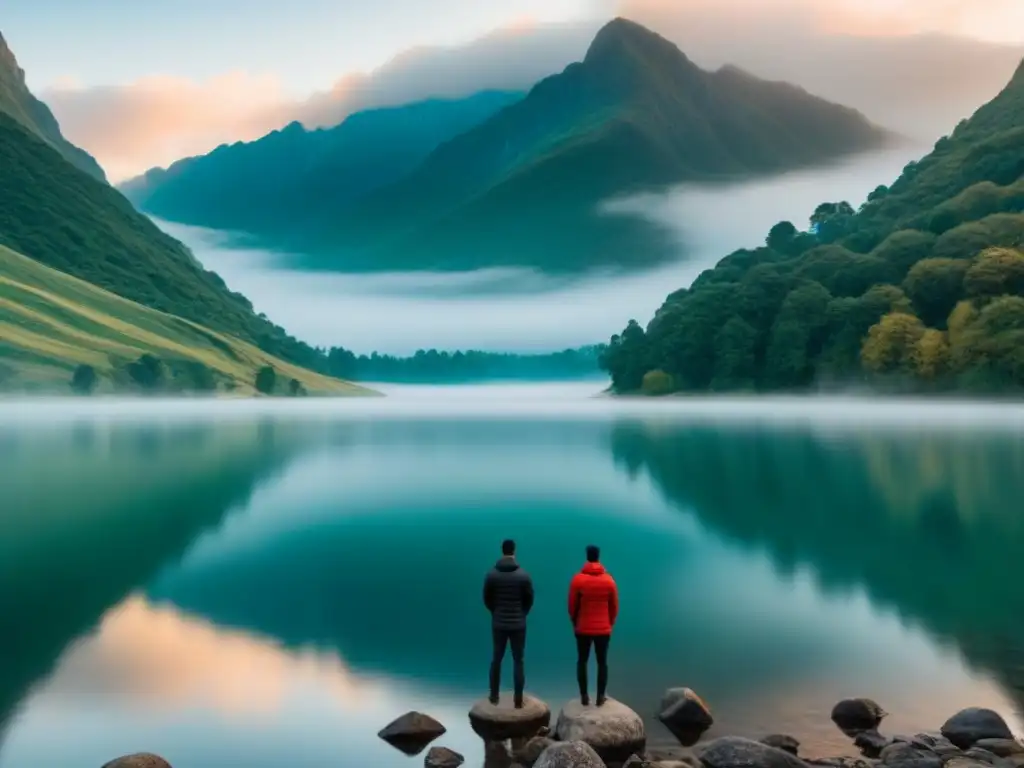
(526, 311)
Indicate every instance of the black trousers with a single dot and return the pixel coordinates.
(600, 643)
(517, 639)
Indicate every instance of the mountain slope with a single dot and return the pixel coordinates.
(521, 188)
(271, 184)
(17, 101)
(51, 322)
(922, 288)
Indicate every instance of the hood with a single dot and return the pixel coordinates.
(592, 569)
(507, 564)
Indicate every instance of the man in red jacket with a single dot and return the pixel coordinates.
(593, 608)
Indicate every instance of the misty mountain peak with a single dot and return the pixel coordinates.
(622, 42)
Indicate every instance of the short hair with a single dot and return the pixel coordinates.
(508, 547)
(593, 553)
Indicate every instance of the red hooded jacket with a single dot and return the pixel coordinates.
(593, 601)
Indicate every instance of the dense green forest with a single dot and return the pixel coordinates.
(921, 289)
(433, 367)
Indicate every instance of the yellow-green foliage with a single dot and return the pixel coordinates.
(51, 322)
(891, 343)
(657, 383)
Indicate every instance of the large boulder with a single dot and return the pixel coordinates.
(412, 732)
(934, 742)
(527, 754)
(685, 714)
(906, 755)
(442, 757)
(856, 715)
(613, 730)
(497, 722)
(737, 752)
(969, 726)
(871, 743)
(1001, 747)
(782, 741)
(138, 760)
(569, 754)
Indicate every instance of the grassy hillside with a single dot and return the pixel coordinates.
(921, 289)
(521, 188)
(51, 322)
(17, 101)
(273, 184)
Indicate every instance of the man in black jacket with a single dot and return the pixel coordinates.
(508, 595)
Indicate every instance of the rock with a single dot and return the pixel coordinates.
(496, 755)
(569, 754)
(973, 724)
(442, 757)
(613, 730)
(908, 756)
(138, 760)
(842, 762)
(935, 742)
(856, 715)
(503, 721)
(964, 761)
(1001, 747)
(544, 731)
(691, 763)
(635, 761)
(736, 752)
(871, 743)
(527, 754)
(783, 742)
(412, 732)
(671, 754)
(685, 714)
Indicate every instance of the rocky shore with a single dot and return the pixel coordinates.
(613, 736)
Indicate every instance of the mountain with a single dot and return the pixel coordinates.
(50, 323)
(921, 289)
(18, 102)
(268, 185)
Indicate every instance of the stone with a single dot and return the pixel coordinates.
(635, 761)
(737, 752)
(527, 754)
(783, 742)
(496, 755)
(685, 714)
(412, 732)
(965, 761)
(497, 722)
(935, 742)
(1001, 747)
(691, 763)
(908, 756)
(871, 743)
(569, 754)
(138, 760)
(973, 724)
(613, 730)
(856, 715)
(442, 757)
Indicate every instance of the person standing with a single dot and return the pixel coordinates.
(508, 595)
(593, 608)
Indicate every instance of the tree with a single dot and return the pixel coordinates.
(148, 372)
(890, 344)
(996, 272)
(266, 379)
(735, 355)
(931, 357)
(626, 358)
(657, 383)
(797, 336)
(83, 379)
(295, 388)
(903, 249)
(935, 286)
(780, 237)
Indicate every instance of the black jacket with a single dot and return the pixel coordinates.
(508, 595)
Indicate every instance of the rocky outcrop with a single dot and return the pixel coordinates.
(501, 721)
(685, 715)
(783, 742)
(613, 730)
(971, 725)
(569, 754)
(527, 754)
(442, 757)
(412, 732)
(871, 743)
(1001, 747)
(138, 760)
(736, 752)
(856, 715)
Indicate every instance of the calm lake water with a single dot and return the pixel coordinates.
(268, 584)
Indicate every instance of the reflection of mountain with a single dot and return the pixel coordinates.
(929, 523)
(91, 513)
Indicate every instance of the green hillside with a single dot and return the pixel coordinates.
(51, 323)
(17, 101)
(522, 187)
(271, 185)
(922, 289)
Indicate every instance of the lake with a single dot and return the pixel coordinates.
(270, 583)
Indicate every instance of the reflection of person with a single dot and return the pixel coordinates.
(508, 595)
(593, 608)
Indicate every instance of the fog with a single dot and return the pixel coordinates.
(519, 310)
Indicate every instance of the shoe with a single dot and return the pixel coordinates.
(518, 702)
(585, 700)
(601, 700)
(493, 698)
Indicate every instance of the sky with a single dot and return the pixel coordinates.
(144, 83)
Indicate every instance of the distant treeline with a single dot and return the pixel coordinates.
(434, 367)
